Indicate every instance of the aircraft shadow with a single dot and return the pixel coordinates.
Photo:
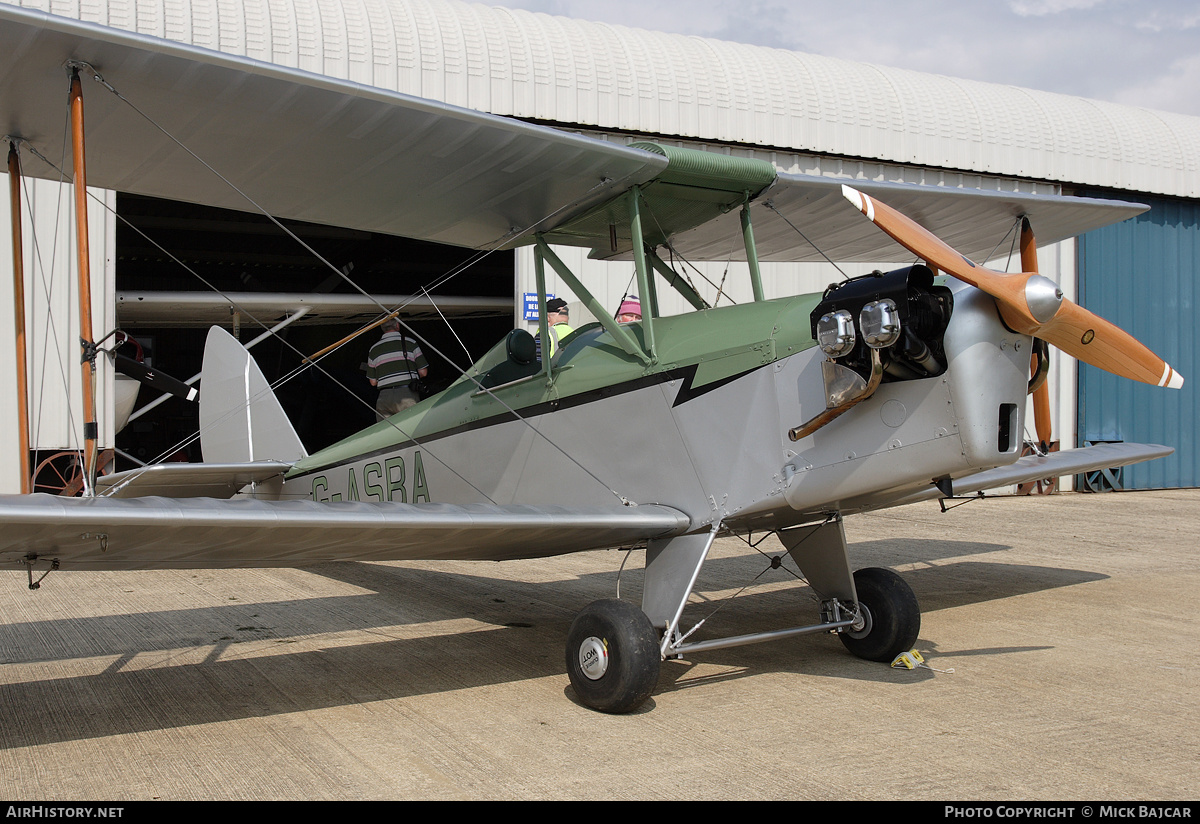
(900, 551)
(520, 628)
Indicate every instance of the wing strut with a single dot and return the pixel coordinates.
(620, 334)
(90, 431)
(14, 189)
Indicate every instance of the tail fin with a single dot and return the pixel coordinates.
(240, 417)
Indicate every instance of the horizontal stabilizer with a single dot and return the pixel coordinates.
(187, 480)
(201, 533)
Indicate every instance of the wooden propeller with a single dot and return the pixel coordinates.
(1028, 302)
(1041, 395)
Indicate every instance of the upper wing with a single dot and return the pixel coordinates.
(695, 204)
(315, 148)
(970, 220)
(303, 146)
(198, 533)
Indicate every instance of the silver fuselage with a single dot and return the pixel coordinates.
(722, 454)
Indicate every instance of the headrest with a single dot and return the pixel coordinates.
(521, 347)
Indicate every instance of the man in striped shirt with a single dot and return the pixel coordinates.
(393, 364)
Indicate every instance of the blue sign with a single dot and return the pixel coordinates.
(531, 305)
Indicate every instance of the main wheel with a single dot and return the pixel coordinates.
(889, 618)
(612, 656)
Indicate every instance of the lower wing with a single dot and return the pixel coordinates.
(1053, 465)
(200, 533)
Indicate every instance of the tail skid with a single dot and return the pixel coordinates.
(240, 417)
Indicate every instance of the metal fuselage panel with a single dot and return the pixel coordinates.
(578, 455)
(704, 430)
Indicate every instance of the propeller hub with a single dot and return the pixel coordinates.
(1043, 297)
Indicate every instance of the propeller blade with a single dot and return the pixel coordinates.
(1090, 338)
(1041, 396)
(1028, 302)
(1041, 414)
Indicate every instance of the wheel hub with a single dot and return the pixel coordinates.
(862, 622)
(593, 657)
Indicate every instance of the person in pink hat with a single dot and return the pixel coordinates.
(630, 310)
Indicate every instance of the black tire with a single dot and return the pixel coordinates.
(891, 616)
(612, 656)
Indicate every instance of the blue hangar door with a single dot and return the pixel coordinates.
(1142, 275)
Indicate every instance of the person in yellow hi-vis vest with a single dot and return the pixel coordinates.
(557, 317)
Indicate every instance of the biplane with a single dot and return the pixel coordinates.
(782, 414)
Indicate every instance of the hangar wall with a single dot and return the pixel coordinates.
(1142, 275)
(52, 320)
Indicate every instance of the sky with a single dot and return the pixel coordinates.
(1138, 52)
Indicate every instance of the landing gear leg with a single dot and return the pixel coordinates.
(887, 618)
(612, 656)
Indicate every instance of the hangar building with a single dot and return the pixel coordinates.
(802, 112)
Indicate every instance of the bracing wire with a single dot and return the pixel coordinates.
(770, 205)
(675, 252)
(1012, 247)
(719, 287)
(453, 331)
(305, 362)
(671, 253)
(46, 281)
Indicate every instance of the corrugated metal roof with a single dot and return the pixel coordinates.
(597, 75)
